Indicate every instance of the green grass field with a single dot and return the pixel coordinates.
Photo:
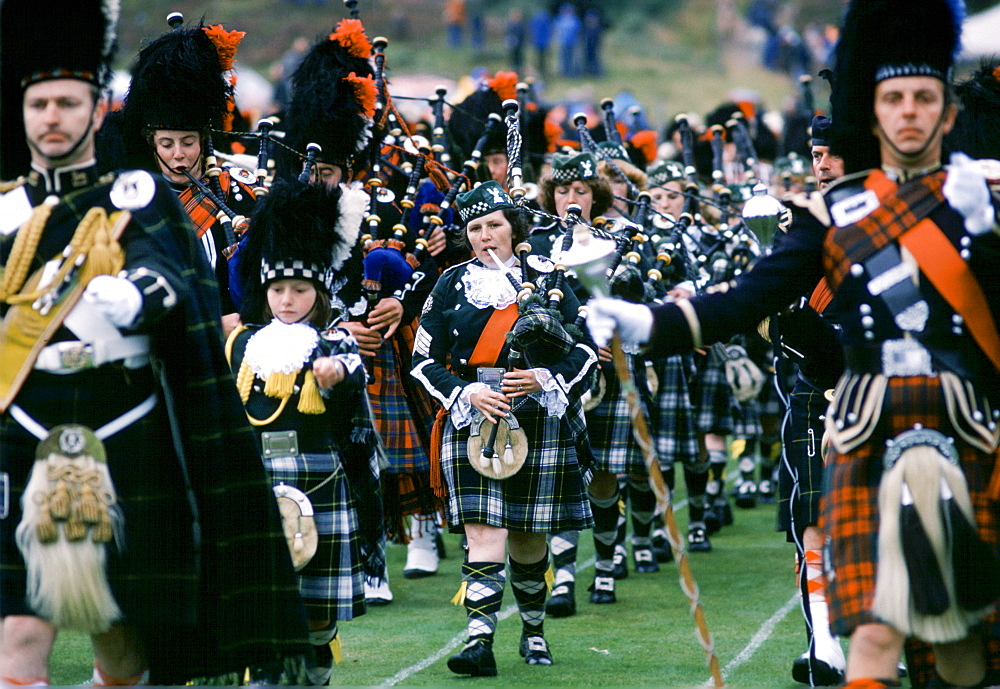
(747, 589)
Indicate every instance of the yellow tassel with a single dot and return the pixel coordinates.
(90, 508)
(336, 647)
(75, 530)
(310, 401)
(59, 502)
(102, 532)
(459, 598)
(244, 381)
(280, 384)
(737, 447)
(46, 529)
(105, 256)
(550, 578)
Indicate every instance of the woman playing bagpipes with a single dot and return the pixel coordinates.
(526, 389)
(297, 380)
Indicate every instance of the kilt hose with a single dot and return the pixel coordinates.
(711, 397)
(547, 495)
(850, 517)
(676, 438)
(800, 475)
(332, 582)
(609, 426)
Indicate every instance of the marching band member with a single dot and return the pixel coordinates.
(461, 358)
(131, 495)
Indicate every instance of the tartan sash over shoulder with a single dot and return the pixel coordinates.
(199, 207)
(900, 208)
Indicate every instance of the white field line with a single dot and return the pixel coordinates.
(758, 639)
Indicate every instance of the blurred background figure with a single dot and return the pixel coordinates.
(540, 31)
(454, 19)
(566, 30)
(515, 36)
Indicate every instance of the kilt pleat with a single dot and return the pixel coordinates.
(393, 417)
(609, 426)
(676, 438)
(332, 582)
(850, 502)
(547, 495)
(712, 397)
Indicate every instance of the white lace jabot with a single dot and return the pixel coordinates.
(489, 287)
(284, 347)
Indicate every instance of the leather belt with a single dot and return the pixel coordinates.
(72, 356)
(897, 357)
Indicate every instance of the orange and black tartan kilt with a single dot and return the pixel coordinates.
(850, 502)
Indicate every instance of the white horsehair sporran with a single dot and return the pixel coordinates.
(510, 446)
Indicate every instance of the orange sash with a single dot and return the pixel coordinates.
(951, 277)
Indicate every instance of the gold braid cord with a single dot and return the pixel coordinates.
(23, 251)
(640, 430)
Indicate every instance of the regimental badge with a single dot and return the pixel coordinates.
(543, 264)
(133, 190)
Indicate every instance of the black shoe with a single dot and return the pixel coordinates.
(475, 659)
(602, 591)
(645, 563)
(725, 511)
(534, 649)
(562, 603)
(746, 497)
(619, 569)
(765, 492)
(713, 519)
(698, 541)
(661, 547)
(823, 675)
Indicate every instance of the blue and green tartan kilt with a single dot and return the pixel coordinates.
(711, 397)
(800, 474)
(547, 495)
(746, 419)
(609, 426)
(332, 582)
(676, 437)
(393, 417)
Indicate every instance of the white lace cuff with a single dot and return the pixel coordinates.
(462, 411)
(552, 396)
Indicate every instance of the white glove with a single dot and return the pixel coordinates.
(634, 322)
(968, 193)
(116, 298)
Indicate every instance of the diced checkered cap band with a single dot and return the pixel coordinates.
(908, 70)
(574, 172)
(281, 270)
(475, 210)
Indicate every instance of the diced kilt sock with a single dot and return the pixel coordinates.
(711, 397)
(332, 582)
(800, 477)
(527, 581)
(484, 582)
(605, 532)
(403, 415)
(547, 495)
(850, 517)
(643, 502)
(564, 547)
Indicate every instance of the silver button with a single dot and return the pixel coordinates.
(857, 270)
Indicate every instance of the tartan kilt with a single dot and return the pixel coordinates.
(676, 439)
(609, 426)
(332, 582)
(746, 419)
(404, 446)
(711, 397)
(801, 470)
(850, 504)
(155, 579)
(547, 495)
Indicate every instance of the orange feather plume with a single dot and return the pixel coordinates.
(364, 92)
(553, 132)
(504, 84)
(226, 43)
(350, 33)
(645, 141)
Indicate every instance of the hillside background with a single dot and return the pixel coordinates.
(672, 55)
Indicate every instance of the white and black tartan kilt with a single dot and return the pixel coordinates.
(712, 397)
(609, 426)
(547, 495)
(676, 437)
(746, 419)
(332, 583)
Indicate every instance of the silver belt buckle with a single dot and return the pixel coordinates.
(75, 356)
(905, 357)
(279, 443)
